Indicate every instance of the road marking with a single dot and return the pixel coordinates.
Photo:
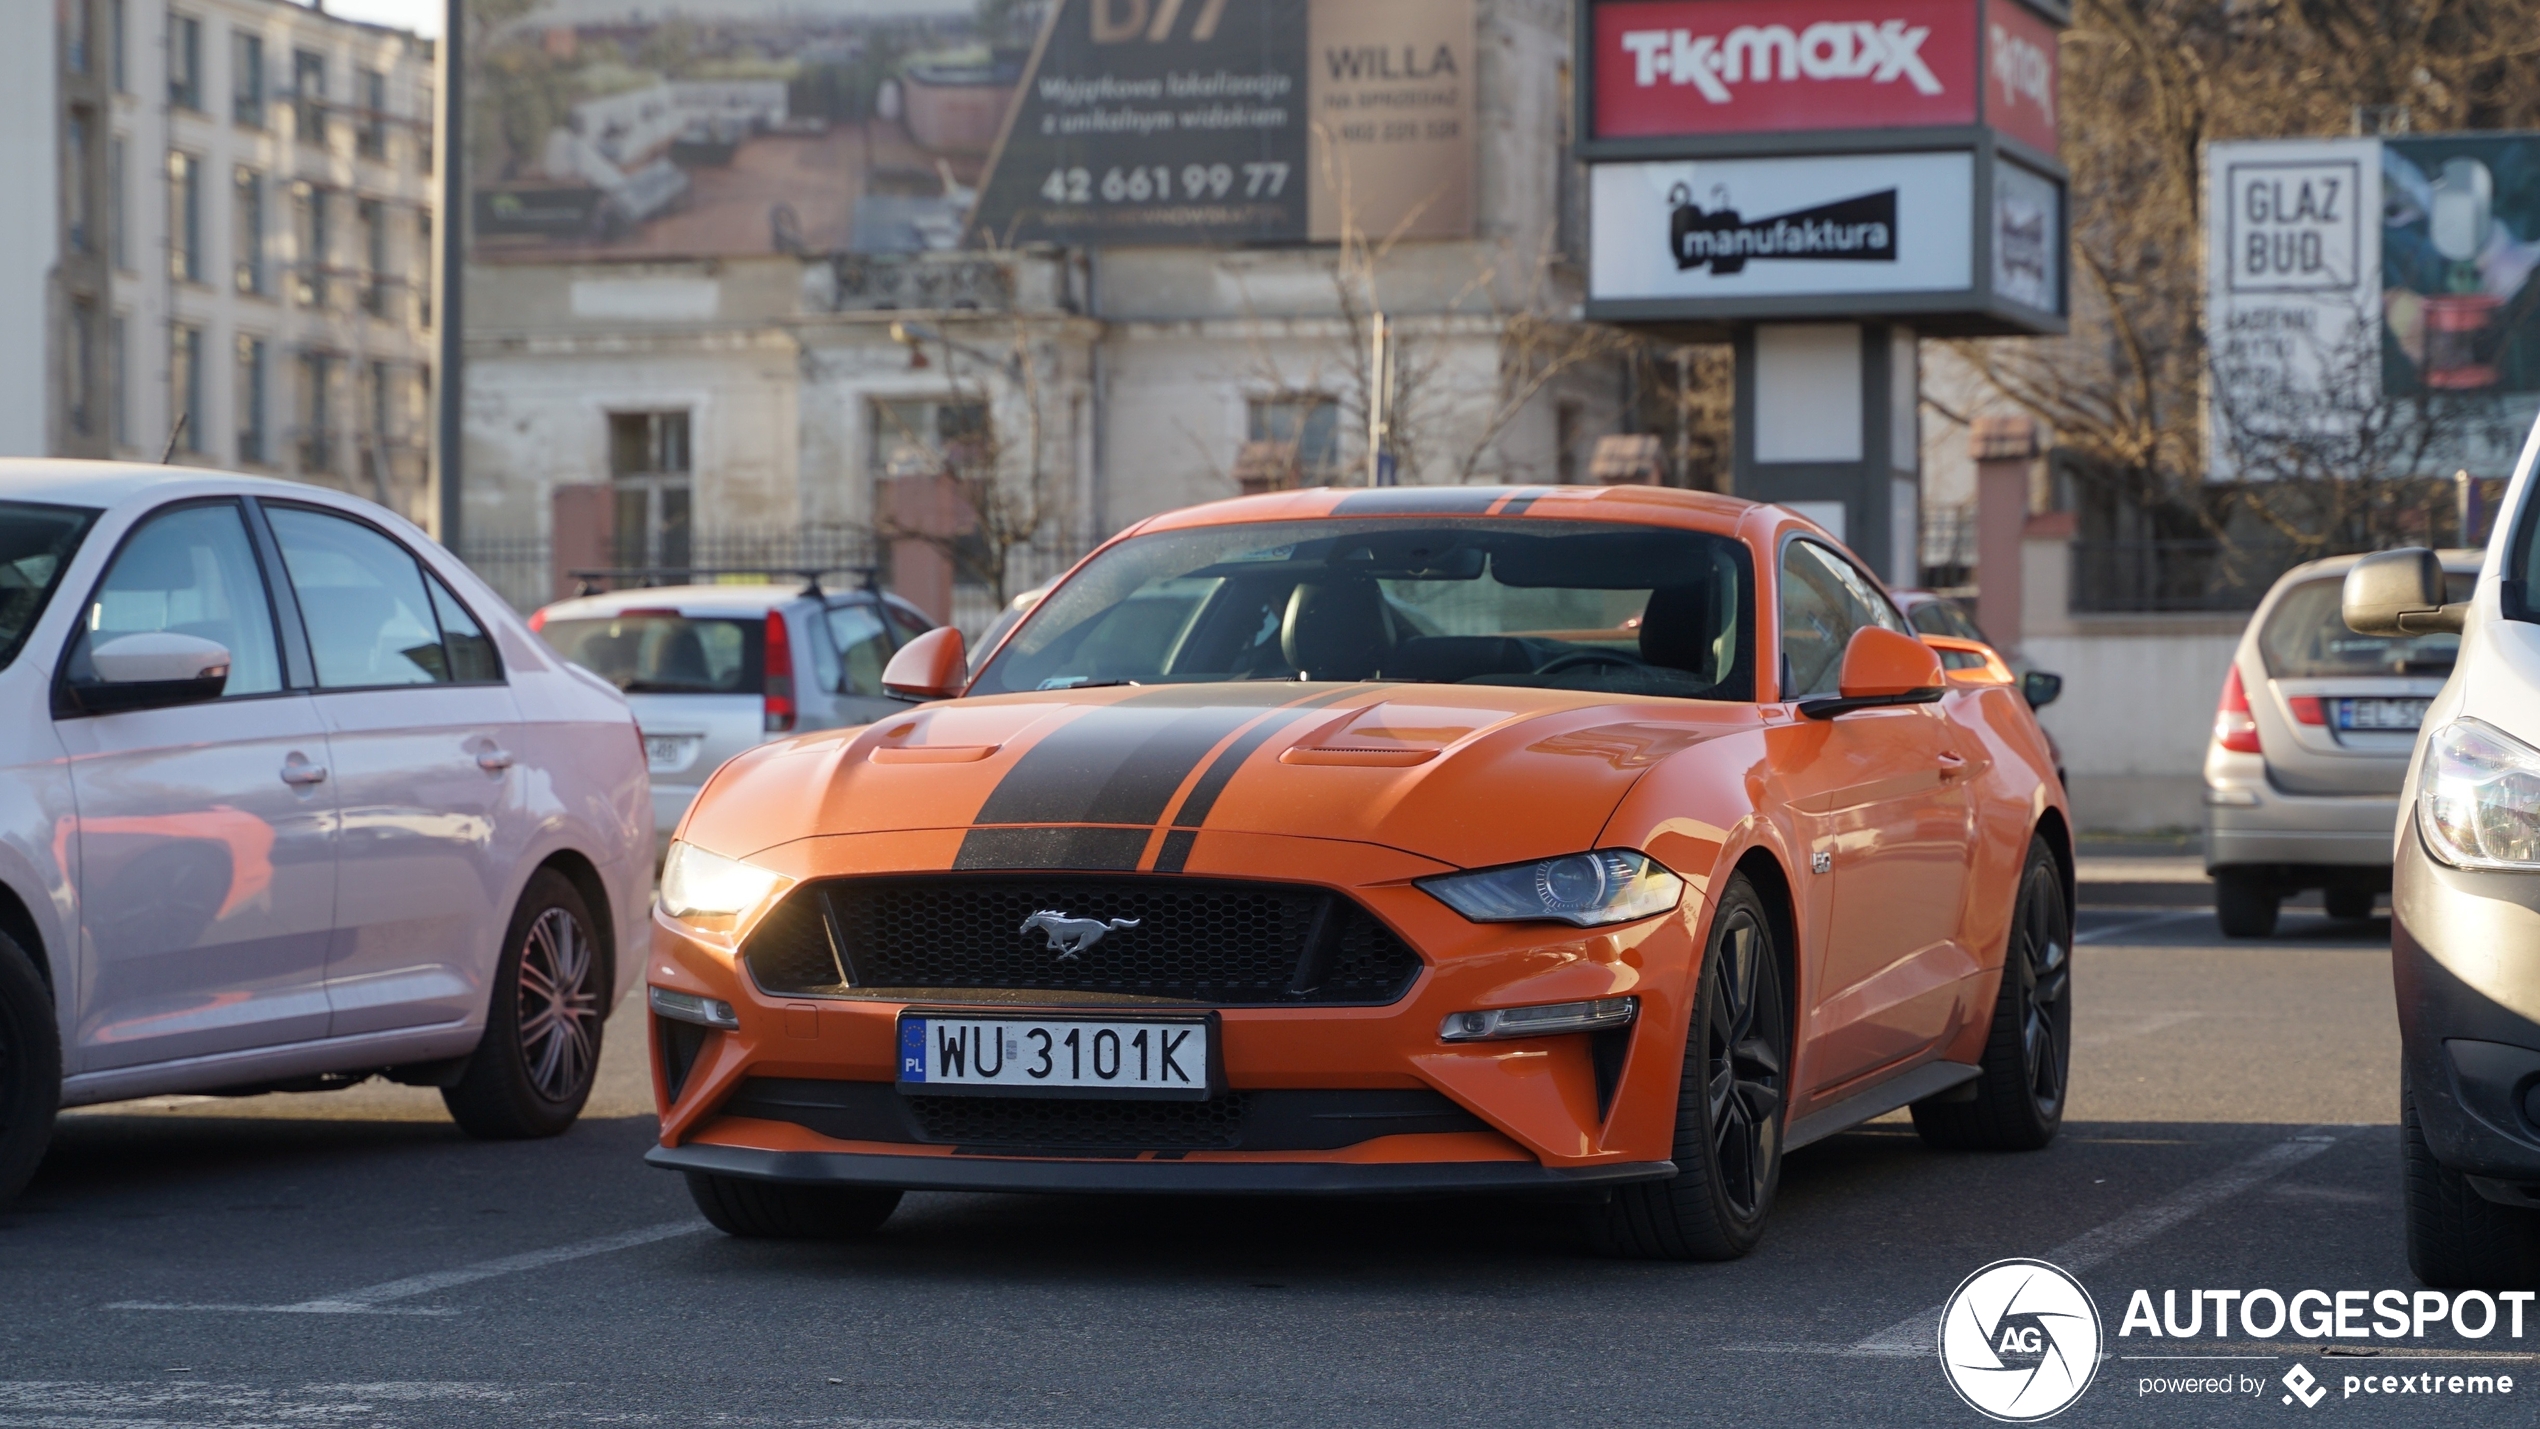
(1918, 1334)
(164, 1404)
(375, 1299)
(2142, 1026)
(2139, 924)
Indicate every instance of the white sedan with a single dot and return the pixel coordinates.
(289, 798)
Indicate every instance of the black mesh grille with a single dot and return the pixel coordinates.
(1223, 943)
(1065, 1124)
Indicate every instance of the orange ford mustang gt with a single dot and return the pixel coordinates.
(1602, 842)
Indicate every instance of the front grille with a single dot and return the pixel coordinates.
(1072, 1124)
(1282, 1119)
(1219, 942)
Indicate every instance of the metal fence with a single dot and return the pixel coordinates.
(2119, 577)
(523, 567)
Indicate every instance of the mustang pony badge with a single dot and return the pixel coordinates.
(1070, 936)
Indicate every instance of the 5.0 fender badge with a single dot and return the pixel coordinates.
(1070, 936)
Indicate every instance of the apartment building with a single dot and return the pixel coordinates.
(241, 242)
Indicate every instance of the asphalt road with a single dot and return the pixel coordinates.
(349, 1259)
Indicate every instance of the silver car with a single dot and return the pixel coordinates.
(2310, 749)
(713, 669)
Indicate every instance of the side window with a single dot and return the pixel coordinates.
(1822, 602)
(190, 571)
(469, 649)
(362, 597)
(857, 629)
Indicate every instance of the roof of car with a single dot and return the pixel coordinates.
(756, 598)
(2457, 560)
(1654, 505)
(71, 482)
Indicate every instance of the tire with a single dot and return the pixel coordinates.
(2457, 1238)
(30, 1067)
(2348, 903)
(1730, 1100)
(533, 1070)
(765, 1210)
(2245, 907)
(2027, 1064)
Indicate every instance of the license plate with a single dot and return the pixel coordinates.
(2403, 715)
(1108, 1057)
(670, 753)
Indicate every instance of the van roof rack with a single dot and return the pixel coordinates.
(587, 582)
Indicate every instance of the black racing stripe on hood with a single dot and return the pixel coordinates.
(1051, 848)
(1176, 851)
(1419, 501)
(1120, 763)
(1194, 810)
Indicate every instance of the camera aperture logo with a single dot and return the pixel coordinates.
(2019, 1341)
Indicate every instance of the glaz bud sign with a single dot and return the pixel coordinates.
(1666, 67)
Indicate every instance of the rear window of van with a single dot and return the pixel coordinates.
(665, 653)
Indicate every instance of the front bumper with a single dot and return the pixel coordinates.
(1015, 1173)
(2465, 962)
(1526, 1113)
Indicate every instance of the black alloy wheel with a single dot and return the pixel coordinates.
(534, 1067)
(2016, 1102)
(1731, 1099)
(30, 1067)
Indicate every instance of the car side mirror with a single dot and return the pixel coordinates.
(2041, 689)
(934, 666)
(151, 670)
(2400, 593)
(1882, 667)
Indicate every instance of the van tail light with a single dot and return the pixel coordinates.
(537, 620)
(2234, 728)
(2308, 709)
(780, 675)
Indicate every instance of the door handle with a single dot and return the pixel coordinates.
(1952, 765)
(494, 761)
(302, 775)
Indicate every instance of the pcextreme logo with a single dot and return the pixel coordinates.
(2019, 1341)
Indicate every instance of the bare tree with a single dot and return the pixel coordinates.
(1000, 494)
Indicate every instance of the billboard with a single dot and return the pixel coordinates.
(1246, 121)
(656, 129)
(2460, 243)
(1756, 228)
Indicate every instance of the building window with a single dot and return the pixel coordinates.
(428, 125)
(316, 414)
(119, 381)
(250, 377)
(247, 79)
(117, 248)
(79, 382)
(308, 96)
(310, 230)
(927, 438)
(185, 217)
(114, 40)
(1309, 420)
(78, 204)
(76, 39)
(422, 268)
(372, 215)
(185, 62)
(185, 386)
(370, 90)
(247, 206)
(648, 463)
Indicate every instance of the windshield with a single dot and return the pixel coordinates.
(1632, 610)
(2306, 636)
(36, 542)
(662, 653)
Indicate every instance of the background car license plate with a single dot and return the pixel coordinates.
(670, 753)
(2393, 714)
(1157, 1058)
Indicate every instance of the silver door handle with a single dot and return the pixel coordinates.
(303, 774)
(494, 761)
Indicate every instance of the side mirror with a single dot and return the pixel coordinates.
(151, 670)
(933, 666)
(1881, 667)
(2400, 593)
(2041, 689)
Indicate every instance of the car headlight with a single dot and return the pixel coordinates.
(1586, 890)
(709, 891)
(2478, 797)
